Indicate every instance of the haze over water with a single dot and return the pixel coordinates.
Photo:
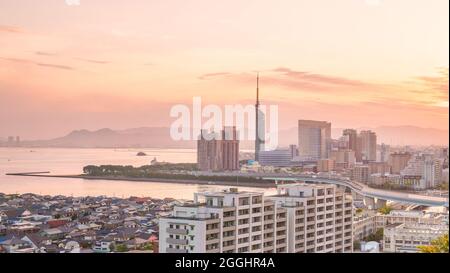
(72, 161)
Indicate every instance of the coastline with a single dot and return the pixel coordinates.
(268, 184)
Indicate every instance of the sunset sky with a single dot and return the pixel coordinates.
(123, 64)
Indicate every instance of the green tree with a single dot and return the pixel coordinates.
(112, 247)
(385, 209)
(377, 236)
(121, 248)
(356, 245)
(438, 245)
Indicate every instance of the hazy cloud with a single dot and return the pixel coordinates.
(16, 60)
(210, 75)
(291, 79)
(437, 84)
(10, 29)
(43, 53)
(58, 66)
(92, 61)
(313, 78)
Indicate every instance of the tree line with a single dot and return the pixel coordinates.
(177, 171)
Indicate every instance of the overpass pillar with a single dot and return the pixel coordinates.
(369, 202)
(379, 203)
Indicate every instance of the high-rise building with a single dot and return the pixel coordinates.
(276, 158)
(314, 139)
(378, 167)
(432, 173)
(325, 165)
(368, 141)
(343, 159)
(398, 161)
(10, 141)
(260, 129)
(360, 173)
(425, 166)
(293, 150)
(384, 152)
(300, 218)
(218, 152)
(352, 137)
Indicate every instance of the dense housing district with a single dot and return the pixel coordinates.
(300, 218)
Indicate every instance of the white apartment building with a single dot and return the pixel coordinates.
(300, 218)
(368, 223)
(319, 218)
(406, 238)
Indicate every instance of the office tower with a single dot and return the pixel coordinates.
(313, 139)
(10, 141)
(300, 218)
(230, 149)
(379, 167)
(445, 176)
(276, 158)
(341, 144)
(398, 161)
(368, 145)
(343, 159)
(218, 153)
(432, 173)
(293, 150)
(325, 165)
(384, 152)
(352, 137)
(360, 173)
(260, 129)
(426, 167)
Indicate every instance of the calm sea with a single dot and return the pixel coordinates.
(72, 161)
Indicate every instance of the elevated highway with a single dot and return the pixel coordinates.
(359, 188)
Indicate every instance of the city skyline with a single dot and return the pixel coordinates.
(69, 67)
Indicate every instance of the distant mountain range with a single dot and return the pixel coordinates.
(159, 137)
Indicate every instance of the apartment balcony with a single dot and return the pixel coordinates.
(177, 231)
(242, 225)
(229, 218)
(268, 230)
(177, 241)
(268, 248)
(174, 250)
(228, 248)
(213, 241)
(229, 228)
(268, 212)
(247, 206)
